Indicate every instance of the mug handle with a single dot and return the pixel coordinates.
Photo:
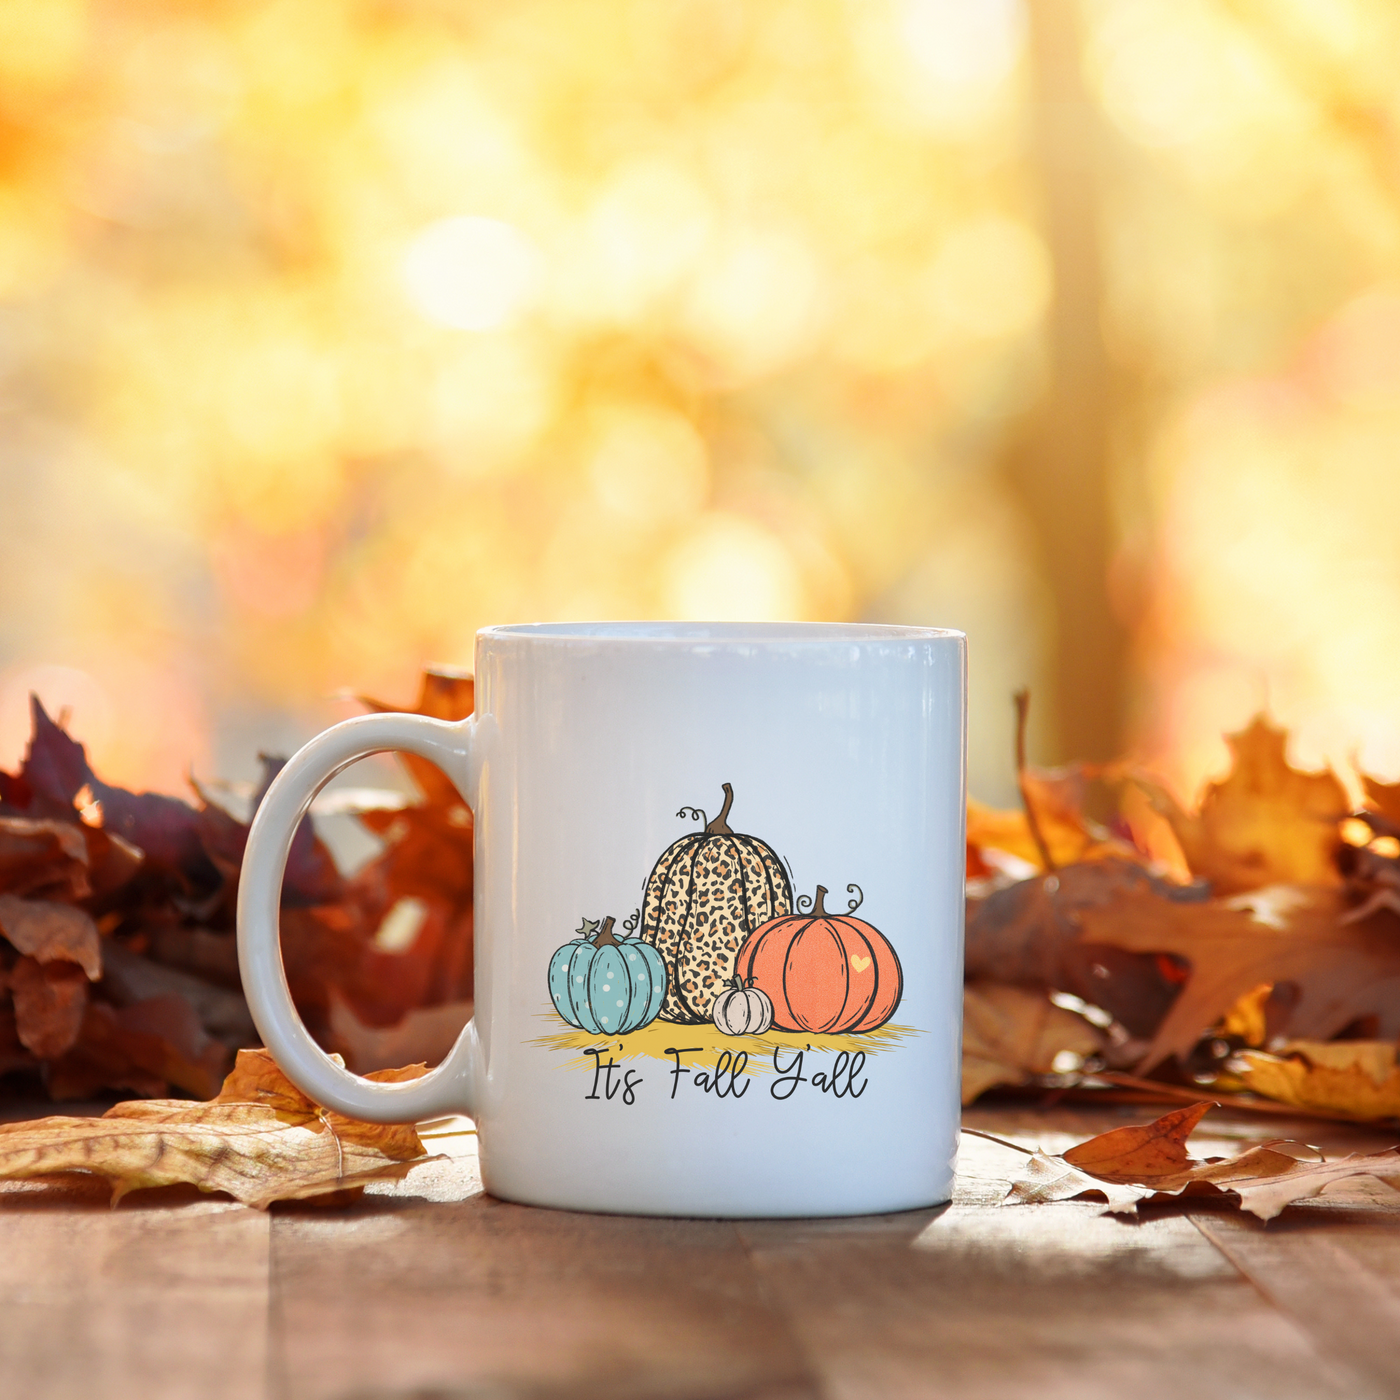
(449, 1087)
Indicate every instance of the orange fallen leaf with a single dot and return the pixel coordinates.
(261, 1140)
(1129, 1165)
(1247, 1021)
(992, 832)
(1265, 823)
(1141, 1154)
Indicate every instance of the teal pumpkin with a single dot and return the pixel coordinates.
(606, 985)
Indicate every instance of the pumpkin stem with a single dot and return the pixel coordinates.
(819, 904)
(720, 827)
(605, 937)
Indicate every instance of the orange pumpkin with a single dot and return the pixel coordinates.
(825, 973)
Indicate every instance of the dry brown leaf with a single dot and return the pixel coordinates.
(50, 999)
(46, 931)
(1265, 823)
(1129, 1165)
(1045, 1179)
(256, 1078)
(1356, 1077)
(1029, 934)
(1341, 971)
(261, 1141)
(43, 858)
(1013, 1033)
(111, 860)
(143, 1046)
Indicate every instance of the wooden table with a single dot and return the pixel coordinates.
(431, 1290)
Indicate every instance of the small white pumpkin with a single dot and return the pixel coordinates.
(742, 1010)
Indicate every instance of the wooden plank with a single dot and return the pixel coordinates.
(427, 1286)
(406, 1295)
(1002, 1302)
(1334, 1268)
(1041, 1301)
(147, 1302)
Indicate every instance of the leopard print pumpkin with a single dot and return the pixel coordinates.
(703, 897)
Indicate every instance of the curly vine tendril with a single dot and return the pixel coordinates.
(857, 901)
(695, 814)
(631, 924)
(804, 903)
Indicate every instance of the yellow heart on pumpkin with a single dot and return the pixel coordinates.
(859, 963)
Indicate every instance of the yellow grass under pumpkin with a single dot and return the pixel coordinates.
(701, 1046)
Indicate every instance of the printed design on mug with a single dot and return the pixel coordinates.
(702, 898)
(828, 973)
(606, 985)
(719, 951)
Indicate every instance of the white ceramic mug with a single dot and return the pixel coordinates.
(665, 1024)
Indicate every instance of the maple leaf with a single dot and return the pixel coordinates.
(1013, 1033)
(1265, 823)
(1129, 1165)
(1355, 1078)
(1029, 934)
(1341, 970)
(261, 1140)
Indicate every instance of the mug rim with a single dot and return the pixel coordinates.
(653, 633)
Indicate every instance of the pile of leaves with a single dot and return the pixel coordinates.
(118, 959)
(1250, 947)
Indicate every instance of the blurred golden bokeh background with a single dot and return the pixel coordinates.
(332, 330)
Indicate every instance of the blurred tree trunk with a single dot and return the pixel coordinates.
(1062, 468)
